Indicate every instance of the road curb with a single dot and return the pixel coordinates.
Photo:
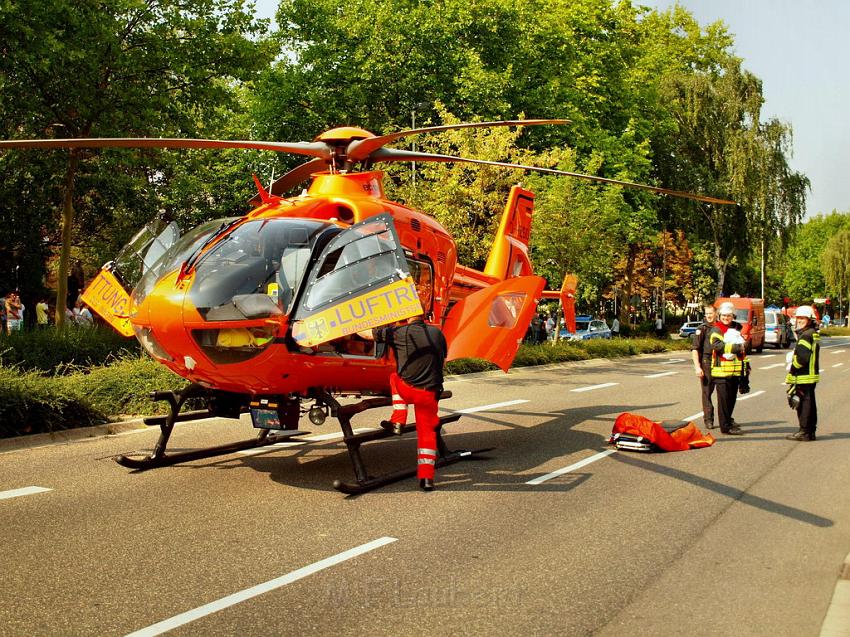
(837, 620)
(70, 435)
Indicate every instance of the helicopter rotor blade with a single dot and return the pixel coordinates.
(392, 154)
(315, 149)
(360, 149)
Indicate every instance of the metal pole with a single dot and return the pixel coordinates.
(413, 126)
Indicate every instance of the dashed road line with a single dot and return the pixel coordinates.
(660, 375)
(772, 366)
(672, 361)
(472, 410)
(592, 387)
(572, 467)
(301, 441)
(236, 598)
(752, 395)
(763, 356)
(838, 365)
(15, 493)
(838, 351)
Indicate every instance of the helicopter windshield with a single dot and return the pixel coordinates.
(256, 270)
(174, 256)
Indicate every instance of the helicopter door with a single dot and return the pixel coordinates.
(492, 322)
(361, 280)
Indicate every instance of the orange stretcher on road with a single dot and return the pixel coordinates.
(633, 432)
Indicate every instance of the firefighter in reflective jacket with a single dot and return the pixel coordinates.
(420, 353)
(728, 365)
(804, 373)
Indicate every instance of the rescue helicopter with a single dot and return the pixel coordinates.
(261, 312)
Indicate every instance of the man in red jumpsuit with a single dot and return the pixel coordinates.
(420, 352)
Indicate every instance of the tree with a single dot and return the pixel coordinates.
(835, 260)
(804, 273)
(72, 68)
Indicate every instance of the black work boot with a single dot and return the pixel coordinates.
(426, 484)
(734, 430)
(802, 436)
(393, 427)
(709, 424)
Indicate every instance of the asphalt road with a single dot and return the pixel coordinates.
(742, 538)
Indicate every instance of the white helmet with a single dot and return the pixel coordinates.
(805, 311)
(726, 308)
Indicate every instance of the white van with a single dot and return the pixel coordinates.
(777, 329)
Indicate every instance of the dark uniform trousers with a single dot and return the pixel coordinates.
(727, 394)
(707, 385)
(807, 410)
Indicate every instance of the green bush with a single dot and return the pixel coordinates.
(53, 351)
(836, 331)
(31, 403)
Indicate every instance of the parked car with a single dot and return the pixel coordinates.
(587, 328)
(687, 330)
(777, 329)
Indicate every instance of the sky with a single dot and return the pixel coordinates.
(799, 49)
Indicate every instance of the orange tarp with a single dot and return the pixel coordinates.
(682, 439)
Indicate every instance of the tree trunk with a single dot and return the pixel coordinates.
(629, 280)
(67, 231)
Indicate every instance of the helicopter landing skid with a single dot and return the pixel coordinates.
(364, 482)
(166, 424)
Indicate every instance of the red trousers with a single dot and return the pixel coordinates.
(424, 403)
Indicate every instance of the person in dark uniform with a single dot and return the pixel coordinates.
(701, 355)
(728, 364)
(804, 374)
(420, 352)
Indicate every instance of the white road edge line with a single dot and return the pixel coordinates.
(259, 589)
(14, 493)
(753, 395)
(591, 387)
(660, 375)
(699, 414)
(672, 361)
(572, 467)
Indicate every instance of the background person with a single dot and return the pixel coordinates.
(41, 316)
(701, 356)
(727, 367)
(804, 374)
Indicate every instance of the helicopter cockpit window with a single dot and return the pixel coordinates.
(173, 257)
(255, 270)
(423, 278)
(359, 261)
(144, 251)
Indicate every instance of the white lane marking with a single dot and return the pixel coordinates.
(591, 387)
(472, 410)
(767, 355)
(572, 467)
(300, 441)
(660, 375)
(672, 361)
(838, 351)
(753, 395)
(694, 417)
(259, 589)
(834, 345)
(838, 365)
(14, 493)
(772, 366)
